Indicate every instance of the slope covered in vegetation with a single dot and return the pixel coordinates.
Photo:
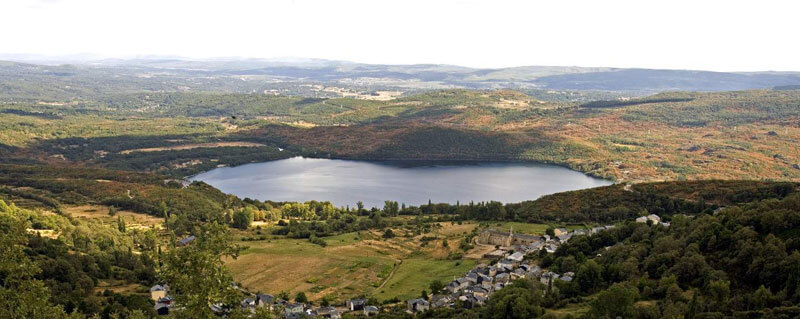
(731, 248)
(668, 136)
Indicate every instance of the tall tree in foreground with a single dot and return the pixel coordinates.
(21, 295)
(197, 276)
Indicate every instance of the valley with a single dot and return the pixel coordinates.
(450, 159)
(669, 136)
(110, 174)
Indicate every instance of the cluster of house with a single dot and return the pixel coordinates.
(525, 244)
(291, 310)
(471, 290)
(288, 310)
(653, 219)
(479, 283)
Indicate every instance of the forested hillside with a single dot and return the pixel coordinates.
(730, 249)
(668, 136)
(54, 265)
(740, 262)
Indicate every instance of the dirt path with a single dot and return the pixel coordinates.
(192, 146)
(391, 274)
(479, 250)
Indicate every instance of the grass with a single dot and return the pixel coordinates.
(354, 264)
(100, 212)
(454, 229)
(416, 274)
(343, 239)
(575, 226)
(573, 310)
(523, 228)
(295, 265)
(533, 229)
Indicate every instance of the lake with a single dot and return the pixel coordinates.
(345, 182)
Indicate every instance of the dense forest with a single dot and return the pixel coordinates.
(45, 277)
(742, 261)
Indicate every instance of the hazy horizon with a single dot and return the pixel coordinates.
(89, 58)
(728, 36)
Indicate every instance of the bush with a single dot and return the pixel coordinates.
(316, 240)
(242, 218)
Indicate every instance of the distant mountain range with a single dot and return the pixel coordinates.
(426, 76)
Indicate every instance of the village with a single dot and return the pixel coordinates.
(471, 290)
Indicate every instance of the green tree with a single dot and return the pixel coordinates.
(762, 297)
(164, 210)
(21, 294)
(299, 210)
(360, 206)
(262, 313)
(300, 297)
(327, 300)
(121, 224)
(615, 302)
(196, 273)
(516, 301)
(692, 312)
(719, 291)
(243, 218)
(388, 233)
(391, 208)
(589, 276)
(284, 295)
(112, 210)
(436, 286)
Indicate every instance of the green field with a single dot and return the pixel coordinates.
(416, 273)
(528, 228)
(295, 265)
(352, 264)
(363, 263)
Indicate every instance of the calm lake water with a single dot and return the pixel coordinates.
(344, 182)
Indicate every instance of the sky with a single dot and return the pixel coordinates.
(676, 34)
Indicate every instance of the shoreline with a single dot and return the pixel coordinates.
(337, 179)
(418, 160)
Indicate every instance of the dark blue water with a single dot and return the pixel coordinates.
(344, 182)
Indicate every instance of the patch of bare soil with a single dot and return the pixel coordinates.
(191, 146)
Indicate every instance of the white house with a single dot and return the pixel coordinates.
(517, 257)
(157, 292)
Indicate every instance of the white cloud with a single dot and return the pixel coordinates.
(715, 35)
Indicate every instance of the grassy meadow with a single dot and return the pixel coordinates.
(358, 263)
